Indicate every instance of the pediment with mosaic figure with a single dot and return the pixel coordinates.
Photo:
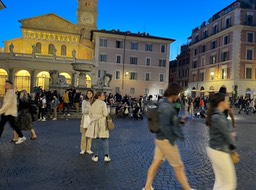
(50, 22)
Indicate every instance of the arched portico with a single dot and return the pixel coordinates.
(22, 81)
(3, 78)
(42, 79)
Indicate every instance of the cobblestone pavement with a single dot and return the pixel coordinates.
(53, 161)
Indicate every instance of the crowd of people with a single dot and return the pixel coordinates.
(19, 110)
(221, 141)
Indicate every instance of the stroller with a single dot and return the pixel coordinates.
(136, 113)
(201, 114)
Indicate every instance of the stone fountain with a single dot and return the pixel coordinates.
(58, 82)
(83, 68)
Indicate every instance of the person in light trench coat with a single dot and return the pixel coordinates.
(86, 142)
(97, 129)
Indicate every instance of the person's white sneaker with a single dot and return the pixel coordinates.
(82, 152)
(54, 119)
(107, 159)
(68, 115)
(43, 119)
(20, 140)
(89, 152)
(95, 158)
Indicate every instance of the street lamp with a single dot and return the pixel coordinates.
(212, 75)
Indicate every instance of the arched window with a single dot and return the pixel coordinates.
(38, 47)
(42, 79)
(3, 77)
(51, 49)
(63, 50)
(67, 78)
(22, 81)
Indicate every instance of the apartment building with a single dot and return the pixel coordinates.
(222, 50)
(172, 71)
(138, 62)
(49, 45)
(182, 68)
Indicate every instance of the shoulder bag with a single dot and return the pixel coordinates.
(87, 121)
(110, 124)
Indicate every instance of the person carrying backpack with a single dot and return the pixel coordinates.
(41, 108)
(166, 137)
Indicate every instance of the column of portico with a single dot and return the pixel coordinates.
(10, 75)
(73, 79)
(32, 79)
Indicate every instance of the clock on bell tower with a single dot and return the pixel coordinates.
(87, 17)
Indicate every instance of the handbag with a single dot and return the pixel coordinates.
(110, 124)
(87, 121)
(235, 157)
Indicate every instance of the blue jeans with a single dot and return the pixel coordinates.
(95, 143)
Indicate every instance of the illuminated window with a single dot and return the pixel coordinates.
(22, 81)
(3, 77)
(67, 78)
(43, 79)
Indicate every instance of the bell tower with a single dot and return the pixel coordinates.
(87, 17)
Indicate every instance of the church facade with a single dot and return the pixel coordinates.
(49, 45)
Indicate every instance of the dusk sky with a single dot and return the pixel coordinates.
(163, 18)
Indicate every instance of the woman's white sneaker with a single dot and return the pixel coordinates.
(95, 158)
(89, 152)
(20, 140)
(82, 152)
(107, 159)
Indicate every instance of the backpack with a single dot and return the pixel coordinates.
(152, 115)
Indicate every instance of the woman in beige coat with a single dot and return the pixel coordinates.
(86, 142)
(97, 129)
